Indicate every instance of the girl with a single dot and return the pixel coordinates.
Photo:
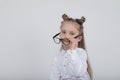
(71, 62)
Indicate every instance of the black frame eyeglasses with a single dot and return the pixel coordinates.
(57, 40)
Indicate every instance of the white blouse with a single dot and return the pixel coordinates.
(70, 65)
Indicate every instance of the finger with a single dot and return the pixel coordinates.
(72, 39)
(61, 36)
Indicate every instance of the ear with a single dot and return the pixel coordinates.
(79, 38)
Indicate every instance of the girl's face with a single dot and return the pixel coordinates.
(69, 30)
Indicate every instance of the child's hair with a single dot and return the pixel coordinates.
(81, 44)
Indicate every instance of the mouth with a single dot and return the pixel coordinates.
(66, 41)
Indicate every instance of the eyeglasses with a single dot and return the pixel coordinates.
(57, 39)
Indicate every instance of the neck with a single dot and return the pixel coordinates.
(65, 47)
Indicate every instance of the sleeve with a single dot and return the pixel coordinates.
(54, 72)
(78, 62)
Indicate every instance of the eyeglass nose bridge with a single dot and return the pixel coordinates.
(66, 35)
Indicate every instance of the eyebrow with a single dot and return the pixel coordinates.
(69, 31)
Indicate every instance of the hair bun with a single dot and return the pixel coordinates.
(65, 17)
(82, 20)
(79, 21)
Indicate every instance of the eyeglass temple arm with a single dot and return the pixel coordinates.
(56, 35)
(77, 36)
(59, 33)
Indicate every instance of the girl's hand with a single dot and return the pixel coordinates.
(73, 43)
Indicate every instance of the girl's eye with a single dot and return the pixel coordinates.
(63, 32)
(71, 33)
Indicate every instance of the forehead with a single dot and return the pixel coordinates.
(69, 25)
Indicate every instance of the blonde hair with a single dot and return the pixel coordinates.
(81, 44)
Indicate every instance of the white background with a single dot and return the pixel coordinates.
(27, 27)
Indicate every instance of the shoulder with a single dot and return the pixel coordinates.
(82, 52)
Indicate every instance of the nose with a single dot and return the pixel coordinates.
(66, 35)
